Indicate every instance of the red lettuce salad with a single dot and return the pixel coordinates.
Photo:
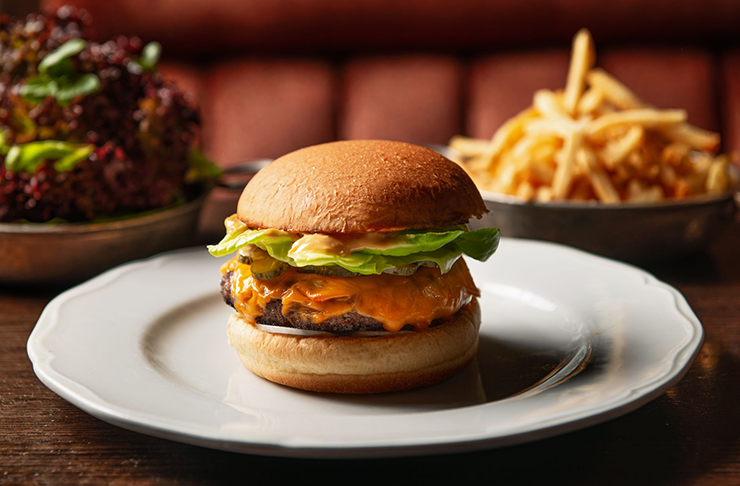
(90, 130)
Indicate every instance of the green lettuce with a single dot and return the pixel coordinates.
(29, 156)
(58, 78)
(372, 264)
(150, 56)
(441, 247)
(275, 242)
(480, 244)
(415, 243)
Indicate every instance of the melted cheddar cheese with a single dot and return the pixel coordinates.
(392, 300)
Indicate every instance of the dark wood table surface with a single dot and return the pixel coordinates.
(690, 435)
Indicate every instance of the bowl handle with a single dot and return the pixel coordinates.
(238, 175)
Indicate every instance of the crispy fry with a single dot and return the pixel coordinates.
(675, 153)
(581, 61)
(505, 179)
(550, 126)
(668, 176)
(564, 174)
(616, 151)
(717, 180)
(525, 191)
(510, 129)
(522, 149)
(543, 194)
(468, 147)
(613, 91)
(695, 137)
(542, 172)
(480, 163)
(603, 187)
(637, 193)
(590, 101)
(547, 104)
(647, 117)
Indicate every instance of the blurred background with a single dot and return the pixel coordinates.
(271, 76)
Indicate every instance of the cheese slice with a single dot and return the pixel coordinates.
(392, 300)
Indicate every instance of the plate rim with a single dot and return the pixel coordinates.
(630, 399)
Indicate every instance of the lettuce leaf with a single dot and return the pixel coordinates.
(441, 247)
(370, 264)
(275, 242)
(29, 156)
(479, 244)
(415, 243)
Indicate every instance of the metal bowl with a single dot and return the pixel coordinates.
(40, 253)
(50, 254)
(632, 232)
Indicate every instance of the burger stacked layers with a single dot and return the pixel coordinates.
(348, 276)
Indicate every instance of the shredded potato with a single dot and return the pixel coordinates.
(596, 139)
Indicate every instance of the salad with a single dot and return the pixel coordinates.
(90, 130)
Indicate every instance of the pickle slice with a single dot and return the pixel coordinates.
(264, 267)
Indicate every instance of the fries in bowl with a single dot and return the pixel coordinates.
(596, 140)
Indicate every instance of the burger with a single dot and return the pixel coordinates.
(349, 276)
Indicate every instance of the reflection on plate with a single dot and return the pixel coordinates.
(567, 339)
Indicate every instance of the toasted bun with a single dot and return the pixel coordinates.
(359, 364)
(360, 187)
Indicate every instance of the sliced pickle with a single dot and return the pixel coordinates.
(264, 267)
(328, 270)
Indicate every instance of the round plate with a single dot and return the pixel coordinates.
(568, 339)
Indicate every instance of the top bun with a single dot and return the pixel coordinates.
(360, 186)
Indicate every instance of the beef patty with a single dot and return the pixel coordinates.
(226, 288)
(273, 316)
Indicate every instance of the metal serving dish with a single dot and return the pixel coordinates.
(34, 253)
(632, 232)
(43, 253)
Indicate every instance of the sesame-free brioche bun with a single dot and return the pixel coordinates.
(356, 365)
(360, 186)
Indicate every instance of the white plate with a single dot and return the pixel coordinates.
(568, 340)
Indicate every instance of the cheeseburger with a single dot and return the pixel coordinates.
(349, 275)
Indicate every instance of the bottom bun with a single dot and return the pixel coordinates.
(360, 364)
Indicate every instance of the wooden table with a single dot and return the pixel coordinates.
(691, 435)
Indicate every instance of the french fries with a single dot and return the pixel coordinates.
(603, 187)
(596, 139)
(615, 92)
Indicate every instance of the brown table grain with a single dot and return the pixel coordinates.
(690, 435)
